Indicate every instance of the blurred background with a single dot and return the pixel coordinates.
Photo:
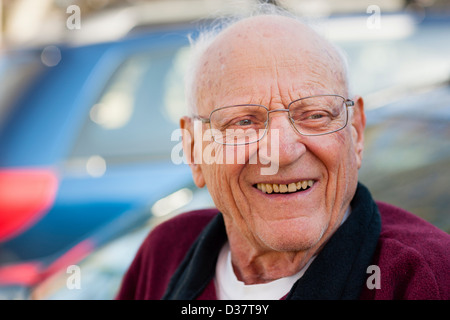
(91, 93)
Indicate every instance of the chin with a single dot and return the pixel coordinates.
(293, 236)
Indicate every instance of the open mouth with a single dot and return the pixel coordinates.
(285, 188)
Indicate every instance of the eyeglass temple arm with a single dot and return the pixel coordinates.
(349, 103)
(203, 120)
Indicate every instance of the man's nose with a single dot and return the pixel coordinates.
(282, 135)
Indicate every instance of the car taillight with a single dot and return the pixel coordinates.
(25, 195)
(32, 272)
(26, 273)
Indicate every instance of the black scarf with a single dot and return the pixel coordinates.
(338, 271)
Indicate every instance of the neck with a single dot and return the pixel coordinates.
(255, 263)
(268, 266)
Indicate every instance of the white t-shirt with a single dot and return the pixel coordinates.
(228, 287)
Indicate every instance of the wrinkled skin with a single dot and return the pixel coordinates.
(273, 61)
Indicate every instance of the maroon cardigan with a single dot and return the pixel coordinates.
(413, 257)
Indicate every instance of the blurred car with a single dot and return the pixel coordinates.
(407, 154)
(402, 70)
(85, 140)
(85, 150)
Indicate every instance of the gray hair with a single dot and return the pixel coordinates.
(207, 35)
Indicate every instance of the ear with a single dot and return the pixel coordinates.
(188, 136)
(358, 126)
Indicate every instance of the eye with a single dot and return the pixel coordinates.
(316, 116)
(244, 122)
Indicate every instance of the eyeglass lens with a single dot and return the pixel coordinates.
(243, 124)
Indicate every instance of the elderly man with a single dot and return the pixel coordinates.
(307, 230)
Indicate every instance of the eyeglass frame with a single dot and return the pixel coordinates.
(347, 102)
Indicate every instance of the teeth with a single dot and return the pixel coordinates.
(284, 188)
(304, 184)
(276, 187)
(292, 187)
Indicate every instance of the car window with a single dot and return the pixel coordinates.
(17, 71)
(135, 115)
(404, 53)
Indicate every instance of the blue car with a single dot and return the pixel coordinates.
(86, 149)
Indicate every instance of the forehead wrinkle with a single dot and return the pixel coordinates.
(311, 79)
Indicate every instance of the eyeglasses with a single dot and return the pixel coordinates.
(247, 123)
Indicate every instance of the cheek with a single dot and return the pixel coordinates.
(332, 150)
(222, 167)
(345, 168)
(345, 146)
(218, 183)
(337, 154)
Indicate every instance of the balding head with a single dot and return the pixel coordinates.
(260, 43)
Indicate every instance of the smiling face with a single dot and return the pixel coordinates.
(272, 61)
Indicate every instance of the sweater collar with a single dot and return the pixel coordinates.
(338, 271)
